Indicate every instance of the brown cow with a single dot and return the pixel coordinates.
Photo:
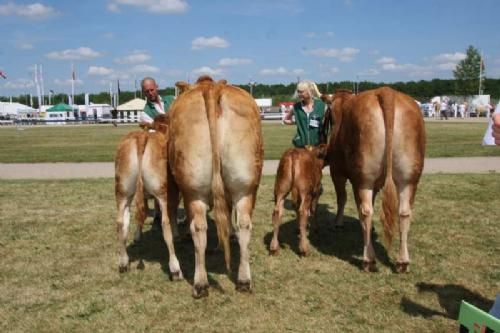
(141, 166)
(378, 143)
(215, 155)
(299, 172)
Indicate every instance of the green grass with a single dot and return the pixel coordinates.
(59, 266)
(98, 143)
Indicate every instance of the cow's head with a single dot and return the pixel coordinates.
(160, 123)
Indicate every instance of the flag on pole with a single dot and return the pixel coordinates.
(118, 86)
(2, 74)
(73, 75)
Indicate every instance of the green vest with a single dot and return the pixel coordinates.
(308, 125)
(150, 109)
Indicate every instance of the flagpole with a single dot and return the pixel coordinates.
(72, 84)
(480, 73)
(41, 83)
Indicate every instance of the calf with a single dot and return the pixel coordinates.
(141, 169)
(299, 172)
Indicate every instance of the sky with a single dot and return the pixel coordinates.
(261, 41)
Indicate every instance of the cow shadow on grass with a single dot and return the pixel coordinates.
(344, 243)
(152, 248)
(449, 297)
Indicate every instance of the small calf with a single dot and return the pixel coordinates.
(141, 170)
(299, 172)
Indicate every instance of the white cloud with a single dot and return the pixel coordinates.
(153, 6)
(206, 42)
(311, 35)
(97, 70)
(234, 61)
(449, 66)
(119, 76)
(205, 70)
(345, 54)
(67, 82)
(449, 57)
(143, 68)
(34, 11)
(174, 72)
(19, 84)
(134, 58)
(281, 71)
(385, 61)
(24, 46)
(80, 53)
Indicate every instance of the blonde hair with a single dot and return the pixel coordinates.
(309, 86)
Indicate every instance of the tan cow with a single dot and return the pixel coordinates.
(141, 166)
(299, 172)
(377, 143)
(215, 155)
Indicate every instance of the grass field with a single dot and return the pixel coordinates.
(59, 266)
(98, 143)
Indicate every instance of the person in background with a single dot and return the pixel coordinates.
(155, 104)
(492, 135)
(443, 111)
(309, 112)
(496, 126)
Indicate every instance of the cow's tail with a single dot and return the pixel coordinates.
(211, 95)
(140, 207)
(389, 215)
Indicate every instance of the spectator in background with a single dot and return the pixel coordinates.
(496, 125)
(443, 111)
(461, 109)
(492, 135)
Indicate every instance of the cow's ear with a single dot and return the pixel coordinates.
(322, 149)
(327, 98)
(182, 86)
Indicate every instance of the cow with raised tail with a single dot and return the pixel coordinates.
(215, 157)
(377, 142)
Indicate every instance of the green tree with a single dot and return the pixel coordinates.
(467, 73)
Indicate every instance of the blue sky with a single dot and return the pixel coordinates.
(266, 41)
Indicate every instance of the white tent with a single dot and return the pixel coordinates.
(136, 104)
(12, 110)
(130, 111)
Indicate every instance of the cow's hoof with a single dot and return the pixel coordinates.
(177, 276)
(303, 253)
(140, 265)
(244, 286)
(370, 266)
(273, 252)
(123, 268)
(402, 267)
(200, 291)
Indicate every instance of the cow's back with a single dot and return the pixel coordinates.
(361, 144)
(239, 137)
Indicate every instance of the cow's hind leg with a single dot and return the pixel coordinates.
(197, 209)
(339, 183)
(303, 218)
(277, 216)
(173, 262)
(406, 195)
(365, 210)
(244, 208)
(122, 225)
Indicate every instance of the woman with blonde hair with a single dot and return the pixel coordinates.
(309, 112)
